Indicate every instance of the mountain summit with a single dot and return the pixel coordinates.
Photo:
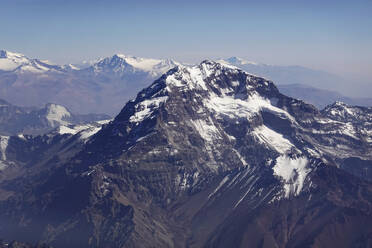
(121, 65)
(238, 61)
(19, 63)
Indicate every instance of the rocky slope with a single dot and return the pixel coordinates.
(25, 155)
(206, 156)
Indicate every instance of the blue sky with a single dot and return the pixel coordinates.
(332, 35)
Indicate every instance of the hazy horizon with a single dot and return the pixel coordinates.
(329, 36)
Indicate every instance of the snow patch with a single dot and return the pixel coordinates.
(273, 139)
(293, 172)
(235, 107)
(84, 131)
(67, 130)
(145, 108)
(7, 65)
(188, 78)
(207, 130)
(87, 133)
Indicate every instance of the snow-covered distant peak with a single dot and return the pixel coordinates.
(341, 111)
(57, 114)
(71, 67)
(17, 62)
(140, 63)
(10, 61)
(237, 61)
(120, 63)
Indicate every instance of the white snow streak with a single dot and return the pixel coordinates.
(273, 139)
(3, 145)
(223, 181)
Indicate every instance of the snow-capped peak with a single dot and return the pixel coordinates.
(120, 63)
(57, 114)
(238, 61)
(10, 61)
(226, 90)
(191, 77)
(217, 94)
(341, 111)
(17, 62)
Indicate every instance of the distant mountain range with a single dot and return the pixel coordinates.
(287, 74)
(320, 98)
(313, 86)
(102, 86)
(27, 120)
(99, 88)
(205, 156)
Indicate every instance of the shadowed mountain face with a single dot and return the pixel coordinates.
(206, 156)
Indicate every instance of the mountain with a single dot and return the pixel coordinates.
(19, 63)
(96, 88)
(206, 156)
(356, 118)
(21, 154)
(121, 65)
(22, 120)
(320, 98)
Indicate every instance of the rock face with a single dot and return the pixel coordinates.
(22, 120)
(206, 156)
